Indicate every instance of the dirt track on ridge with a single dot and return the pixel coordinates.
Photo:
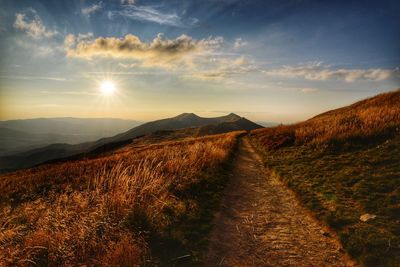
(261, 223)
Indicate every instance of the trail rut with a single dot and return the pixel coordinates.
(261, 223)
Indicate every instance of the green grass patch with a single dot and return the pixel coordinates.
(339, 185)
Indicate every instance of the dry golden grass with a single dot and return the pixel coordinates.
(362, 121)
(342, 164)
(94, 211)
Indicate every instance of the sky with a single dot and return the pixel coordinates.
(276, 61)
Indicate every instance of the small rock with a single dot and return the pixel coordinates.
(324, 233)
(366, 217)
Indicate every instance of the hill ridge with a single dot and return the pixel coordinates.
(222, 124)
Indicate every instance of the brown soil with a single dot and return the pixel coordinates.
(261, 223)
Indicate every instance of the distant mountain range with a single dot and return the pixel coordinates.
(22, 135)
(198, 125)
(267, 123)
(182, 121)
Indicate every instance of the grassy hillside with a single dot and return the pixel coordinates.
(223, 124)
(187, 124)
(150, 203)
(345, 163)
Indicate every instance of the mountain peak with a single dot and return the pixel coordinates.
(232, 116)
(187, 116)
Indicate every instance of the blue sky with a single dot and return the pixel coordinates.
(266, 60)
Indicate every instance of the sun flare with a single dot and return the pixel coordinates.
(107, 87)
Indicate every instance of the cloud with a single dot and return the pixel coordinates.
(92, 9)
(319, 72)
(309, 90)
(40, 48)
(126, 73)
(69, 40)
(33, 27)
(44, 50)
(239, 43)
(222, 68)
(159, 52)
(128, 2)
(56, 92)
(193, 21)
(27, 77)
(149, 14)
(127, 66)
(85, 36)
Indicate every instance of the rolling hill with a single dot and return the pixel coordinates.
(17, 136)
(134, 207)
(343, 164)
(182, 121)
(201, 126)
(152, 196)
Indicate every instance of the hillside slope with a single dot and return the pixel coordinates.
(229, 126)
(17, 136)
(343, 164)
(228, 123)
(184, 120)
(135, 207)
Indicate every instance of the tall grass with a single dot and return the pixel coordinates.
(99, 211)
(363, 122)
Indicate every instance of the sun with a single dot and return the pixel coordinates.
(107, 87)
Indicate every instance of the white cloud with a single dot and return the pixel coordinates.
(85, 36)
(128, 2)
(160, 52)
(27, 77)
(44, 50)
(193, 21)
(33, 27)
(92, 9)
(239, 43)
(319, 72)
(148, 14)
(222, 68)
(69, 40)
(39, 49)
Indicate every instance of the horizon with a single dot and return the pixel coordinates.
(268, 61)
(105, 118)
(195, 113)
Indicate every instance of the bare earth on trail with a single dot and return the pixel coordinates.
(261, 223)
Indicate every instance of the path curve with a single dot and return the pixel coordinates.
(261, 223)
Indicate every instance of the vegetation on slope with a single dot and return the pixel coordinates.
(345, 163)
(187, 124)
(122, 209)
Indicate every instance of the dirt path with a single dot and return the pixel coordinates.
(262, 224)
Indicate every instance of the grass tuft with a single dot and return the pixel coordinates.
(110, 210)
